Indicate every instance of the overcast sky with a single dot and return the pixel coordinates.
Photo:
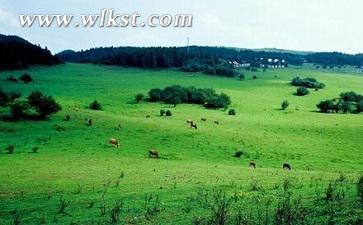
(311, 25)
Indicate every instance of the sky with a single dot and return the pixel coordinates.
(307, 25)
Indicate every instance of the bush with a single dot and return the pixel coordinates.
(360, 106)
(12, 79)
(241, 76)
(139, 97)
(177, 94)
(26, 78)
(44, 105)
(254, 77)
(10, 149)
(168, 113)
(95, 105)
(360, 189)
(308, 82)
(284, 105)
(302, 91)
(232, 112)
(326, 106)
(18, 109)
(8, 97)
(162, 112)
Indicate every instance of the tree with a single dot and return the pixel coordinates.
(44, 105)
(26, 78)
(326, 106)
(162, 112)
(168, 113)
(360, 106)
(155, 95)
(301, 91)
(18, 109)
(95, 105)
(139, 97)
(284, 105)
(232, 112)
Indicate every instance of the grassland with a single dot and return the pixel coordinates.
(79, 165)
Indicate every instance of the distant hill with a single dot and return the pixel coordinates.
(17, 53)
(164, 57)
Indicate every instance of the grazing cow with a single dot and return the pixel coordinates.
(203, 119)
(252, 165)
(90, 122)
(67, 118)
(216, 122)
(192, 125)
(114, 142)
(147, 116)
(286, 166)
(153, 154)
(190, 121)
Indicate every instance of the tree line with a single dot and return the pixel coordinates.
(177, 94)
(17, 53)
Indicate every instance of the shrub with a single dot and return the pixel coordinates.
(326, 106)
(26, 78)
(177, 94)
(360, 106)
(360, 189)
(18, 109)
(8, 97)
(241, 76)
(301, 91)
(168, 113)
(95, 105)
(43, 104)
(12, 79)
(10, 149)
(139, 97)
(254, 77)
(308, 82)
(284, 105)
(35, 149)
(232, 112)
(162, 112)
(155, 95)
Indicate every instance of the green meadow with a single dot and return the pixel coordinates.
(77, 168)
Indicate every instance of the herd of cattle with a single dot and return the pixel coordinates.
(155, 154)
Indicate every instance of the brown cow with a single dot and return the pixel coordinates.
(153, 154)
(114, 142)
(252, 165)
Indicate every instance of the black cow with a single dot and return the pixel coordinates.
(192, 125)
(286, 166)
(252, 165)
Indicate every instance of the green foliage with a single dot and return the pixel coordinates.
(301, 91)
(349, 102)
(10, 149)
(26, 78)
(177, 94)
(7, 98)
(45, 105)
(284, 105)
(139, 97)
(168, 113)
(232, 112)
(18, 109)
(241, 76)
(95, 105)
(308, 82)
(162, 112)
(221, 69)
(360, 189)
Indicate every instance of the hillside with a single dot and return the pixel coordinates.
(17, 53)
(78, 170)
